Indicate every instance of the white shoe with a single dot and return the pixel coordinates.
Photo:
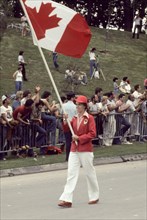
(100, 136)
(107, 145)
(83, 83)
(126, 142)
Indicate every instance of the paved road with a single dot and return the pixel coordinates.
(123, 195)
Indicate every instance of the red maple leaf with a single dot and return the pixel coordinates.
(41, 20)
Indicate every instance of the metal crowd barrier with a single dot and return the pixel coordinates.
(117, 127)
(110, 128)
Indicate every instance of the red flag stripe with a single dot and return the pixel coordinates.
(74, 40)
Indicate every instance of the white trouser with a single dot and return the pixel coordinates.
(76, 159)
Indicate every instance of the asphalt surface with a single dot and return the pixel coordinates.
(62, 166)
(123, 194)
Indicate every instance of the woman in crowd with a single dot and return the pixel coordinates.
(18, 79)
(125, 86)
(17, 101)
(93, 63)
(22, 63)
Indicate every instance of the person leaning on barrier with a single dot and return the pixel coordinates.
(36, 126)
(6, 114)
(22, 115)
(122, 123)
(47, 116)
(23, 112)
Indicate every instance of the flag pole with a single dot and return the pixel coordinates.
(46, 65)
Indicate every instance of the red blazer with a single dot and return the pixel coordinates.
(86, 132)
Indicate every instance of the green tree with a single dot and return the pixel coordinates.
(3, 24)
(6, 6)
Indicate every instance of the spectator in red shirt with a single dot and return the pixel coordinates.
(23, 112)
(22, 115)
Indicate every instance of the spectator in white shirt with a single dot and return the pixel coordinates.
(7, 117)
(21, 62)
(137, 95)
(93, 106)
(18, 79)
(124, 86)
(70, 109)
(93, 62)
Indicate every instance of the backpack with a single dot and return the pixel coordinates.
(50, 150)
(96, 75)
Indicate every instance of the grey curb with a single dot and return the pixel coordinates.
(63, 166)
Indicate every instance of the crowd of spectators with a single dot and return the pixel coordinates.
(36, 120)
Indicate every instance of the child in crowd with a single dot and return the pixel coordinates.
(115, 86)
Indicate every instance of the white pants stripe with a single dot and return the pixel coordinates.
(76, 159)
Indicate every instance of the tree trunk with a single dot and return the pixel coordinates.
(128, 15)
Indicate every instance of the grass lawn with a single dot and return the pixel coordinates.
(124, 57)
(120, 56)
(99, 152)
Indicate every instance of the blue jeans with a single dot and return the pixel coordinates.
(121, 130)
(61, 137)
(93, 64)
(18, 85)
(55, 60)
(51, 126)
(41, 137)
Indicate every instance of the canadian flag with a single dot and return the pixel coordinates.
(58, 28)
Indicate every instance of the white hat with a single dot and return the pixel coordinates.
(4, 97)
